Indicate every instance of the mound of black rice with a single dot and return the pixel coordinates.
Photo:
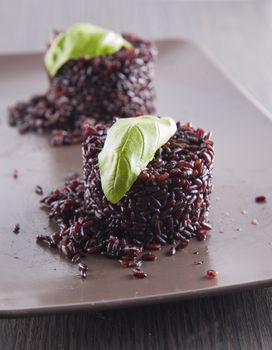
(168, 204)
(120, 84)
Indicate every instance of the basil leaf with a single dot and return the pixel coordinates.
(82, 40)
(130, 145)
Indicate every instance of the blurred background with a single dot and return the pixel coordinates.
(236, 32)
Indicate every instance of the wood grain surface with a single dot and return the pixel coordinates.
(238, 321)
(238, 34)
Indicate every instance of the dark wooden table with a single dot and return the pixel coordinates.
(237, 33)
(235, 321)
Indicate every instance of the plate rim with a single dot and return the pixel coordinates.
(131, 302)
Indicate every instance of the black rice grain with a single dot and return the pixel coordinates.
(82, 267)
(211, 274)
(131, 263)
(16, 228)
(171, 251)
(260, 199)
(138, 273)
(182, 244)
(149, 257)
(152, 246)
(201, 235)
(39, 190)
(83, 274)
(15, 174)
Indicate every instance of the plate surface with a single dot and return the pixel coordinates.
(190, 88)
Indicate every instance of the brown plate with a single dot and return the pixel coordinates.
(190, 87)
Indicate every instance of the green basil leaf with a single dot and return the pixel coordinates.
(130, 145)
(82, 40)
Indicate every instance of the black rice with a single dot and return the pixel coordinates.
(167, 203)
(157, 210)
(260, 199)
(16, 228)
(39, 190)
(138, 273)
(211, 274)
(149, 257)
(171, 251)
(91, 90)
(15, 174)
